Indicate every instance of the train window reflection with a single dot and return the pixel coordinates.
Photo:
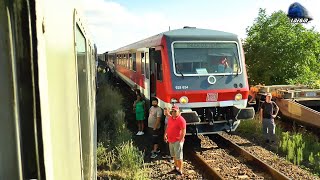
(214, 57)
(83, 70)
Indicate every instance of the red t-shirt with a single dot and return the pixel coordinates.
(174, 128)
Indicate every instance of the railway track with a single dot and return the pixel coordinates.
(225, 160)
(223, 163)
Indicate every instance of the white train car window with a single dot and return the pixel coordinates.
(142, 63)
(134, 63)
(83, 71)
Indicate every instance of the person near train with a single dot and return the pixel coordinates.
(139, 109)
(268, 113)
(175, 134)
(166, 113)
(154, 119)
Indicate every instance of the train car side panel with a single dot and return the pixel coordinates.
(62, 118)
(10, 164)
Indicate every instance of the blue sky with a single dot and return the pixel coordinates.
(116, 23)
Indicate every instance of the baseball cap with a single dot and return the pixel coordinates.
(175, 107)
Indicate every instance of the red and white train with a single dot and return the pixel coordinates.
(202, 71)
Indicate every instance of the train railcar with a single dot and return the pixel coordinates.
(47, 92)
(202, 71)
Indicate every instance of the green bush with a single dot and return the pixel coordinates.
(105, 158)
(302, 149)
(125, 161)
(130, 159)
(109, 101)
(251, 128)
(293, 146)
(117, 158)
(121, 133)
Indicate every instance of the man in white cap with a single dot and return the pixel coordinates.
(268, 112)
(175, 133)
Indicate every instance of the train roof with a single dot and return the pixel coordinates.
(191, 32)
(185, 33)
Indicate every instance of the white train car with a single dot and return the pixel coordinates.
(47, 92)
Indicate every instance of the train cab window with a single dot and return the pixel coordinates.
(158, 60)
(206, 58)
(142, 63)
(83, 98)
(134, 64)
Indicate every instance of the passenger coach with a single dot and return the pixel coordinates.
(48, 126)
(202, 71)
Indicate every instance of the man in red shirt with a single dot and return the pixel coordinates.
(175, 133)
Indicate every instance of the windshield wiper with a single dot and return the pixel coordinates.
(238, 63)
(177, 68)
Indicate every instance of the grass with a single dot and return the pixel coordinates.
(123, 162)
(300, 148)
(117, 157)
(108, 102)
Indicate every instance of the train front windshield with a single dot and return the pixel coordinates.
(206, 58)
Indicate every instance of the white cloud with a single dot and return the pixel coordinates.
(113, 25)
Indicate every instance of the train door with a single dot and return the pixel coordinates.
(145, 71)
(153, 73)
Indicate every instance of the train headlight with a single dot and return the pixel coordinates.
(184, 100)
(238, 97)
(173, 100)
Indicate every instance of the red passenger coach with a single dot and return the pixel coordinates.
(202, 71)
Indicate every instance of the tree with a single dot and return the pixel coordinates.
(280, 52)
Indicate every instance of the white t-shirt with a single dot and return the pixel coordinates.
(154, 113)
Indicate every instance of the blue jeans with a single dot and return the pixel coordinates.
(268, 129)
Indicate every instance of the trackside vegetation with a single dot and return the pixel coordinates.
(280, 52)
(117, 157)
(299, 147)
